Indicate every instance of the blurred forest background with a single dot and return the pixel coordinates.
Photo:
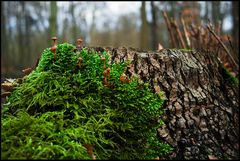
(28, 26)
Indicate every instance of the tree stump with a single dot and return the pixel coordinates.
(202, 114)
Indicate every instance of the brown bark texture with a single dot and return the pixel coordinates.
(202, 113)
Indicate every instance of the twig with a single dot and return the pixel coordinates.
(218, 28)
(169, 28)
(224, 47)
(230, 43)
(199, 36)
(174, 31)
(185, 32)
(179, 34)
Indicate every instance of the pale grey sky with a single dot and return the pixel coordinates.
(112, 9)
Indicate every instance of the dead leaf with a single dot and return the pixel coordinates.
(160, 47)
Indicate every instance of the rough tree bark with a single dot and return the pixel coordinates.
(202, 114)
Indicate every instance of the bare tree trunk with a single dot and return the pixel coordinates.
(173, 10)
(93, 25)
(235, 31)
(143, 38)
(27, 37)
(216, 14)
(4, 45)
(21, 45)
(206, 16)
(74, 26)
(202, 113)
(154, 26)
(53, 19)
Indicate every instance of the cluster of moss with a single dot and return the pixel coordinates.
(63, 105)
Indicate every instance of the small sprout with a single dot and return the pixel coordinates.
(106, 74)
(79, 62)
(105, 82)
(27, 71)
(54, 47)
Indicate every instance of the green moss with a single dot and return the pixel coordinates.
(229, 77)
(186, 50)
(60, 107)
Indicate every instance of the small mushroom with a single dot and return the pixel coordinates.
(106, 74)
(79, 42)
(104, 62)
(124, 79)
(27, 71)
(89, 148)
(103, 59)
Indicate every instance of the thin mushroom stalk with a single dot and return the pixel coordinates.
(104, 62)
(54, 47)
(79, 42)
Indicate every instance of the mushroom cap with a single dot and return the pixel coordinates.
(79, 41)
(103, 58)
(54, 38)
(123, 78)
(27, 70)
(80, 58)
